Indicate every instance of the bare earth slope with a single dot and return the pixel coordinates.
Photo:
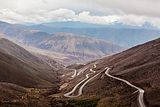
(140, 65)
(22, 68)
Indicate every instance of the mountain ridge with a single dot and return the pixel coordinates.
(128, 37)
(81, 48)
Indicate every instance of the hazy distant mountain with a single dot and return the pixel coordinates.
(82, 48)
(21, 33)
(78, 24)
(78, 45)
(124, 35)
(75, 48)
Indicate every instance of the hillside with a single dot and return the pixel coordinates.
(20, 67)
(28, 71)
(11, 91)
(141, 66)
(138, 65)
(80, 46)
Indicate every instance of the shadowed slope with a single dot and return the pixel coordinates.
(22, 68)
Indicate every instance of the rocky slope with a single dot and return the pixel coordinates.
(20, 67)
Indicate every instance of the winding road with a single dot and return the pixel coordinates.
(85, 81)
(141, 91)
(81, 88)
(82, 70)
(69, 94)
(75, 73)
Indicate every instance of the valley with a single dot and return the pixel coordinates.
(69, 48)
(68, 70)
(79, 53)
(136, 89)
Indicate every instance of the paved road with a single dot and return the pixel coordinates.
(75, 73)
(82, 70)
(141, 91)
(82, 86)
(73, 90)
(69, 94)
(85, 82)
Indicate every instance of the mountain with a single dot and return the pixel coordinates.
(74, 47)
(69, 24)
(18, 66)
(130, 35)
(30, 77)
(124, 35)
(26, 79)
(80, 46)
(78, 24)
(21, 33)
(138, 65)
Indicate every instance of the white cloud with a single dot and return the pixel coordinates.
(86, 17)
(43, 16)
(10, 16)
(36, 17)
(136, 12)
(138, 7)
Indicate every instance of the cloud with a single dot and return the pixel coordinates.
(61, 14)
(136, 12)
(86, 17)
(40, 16)
(139, 7)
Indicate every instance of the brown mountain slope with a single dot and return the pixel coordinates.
(20, 67)
(140, 65)
(10, 91)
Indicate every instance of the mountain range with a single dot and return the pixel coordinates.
(118, 33)
(79, 48)
(32, 73)
(129, 35)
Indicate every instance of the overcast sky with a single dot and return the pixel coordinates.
(132, 12)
